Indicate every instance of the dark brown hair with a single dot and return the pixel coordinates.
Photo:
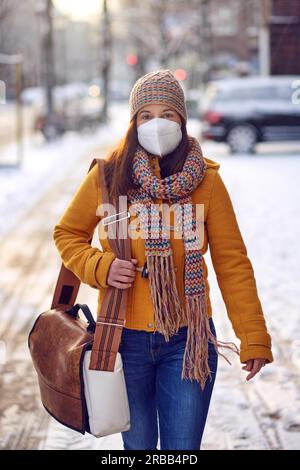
(118, 163)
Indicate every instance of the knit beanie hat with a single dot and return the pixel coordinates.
(159, 87)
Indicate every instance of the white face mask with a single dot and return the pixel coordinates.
(159, 136)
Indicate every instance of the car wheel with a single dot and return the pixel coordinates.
(242, 139)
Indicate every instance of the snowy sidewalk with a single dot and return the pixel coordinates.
(264, 413)
(45, 163)
(261, 414)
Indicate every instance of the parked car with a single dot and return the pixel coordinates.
(248, 110)
(71, 114)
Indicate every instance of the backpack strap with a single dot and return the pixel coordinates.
(111, 318)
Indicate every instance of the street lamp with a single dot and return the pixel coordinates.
(43, 10)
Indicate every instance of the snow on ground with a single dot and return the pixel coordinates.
(265, 194)
(264, 190)
(261, 414)
(45, 163)
(265, 412)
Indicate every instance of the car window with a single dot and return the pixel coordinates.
(235, 94)
(215, 93)
(253, 93)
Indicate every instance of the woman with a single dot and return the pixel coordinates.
(169, 345)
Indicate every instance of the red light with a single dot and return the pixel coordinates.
(180, 74)
(131, 59)
(212, 117)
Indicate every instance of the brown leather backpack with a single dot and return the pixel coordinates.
(59, 338)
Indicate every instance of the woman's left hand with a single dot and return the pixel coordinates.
(253, 366)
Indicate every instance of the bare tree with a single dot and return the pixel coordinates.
(18, 34)
(166, 30)
(6, 7)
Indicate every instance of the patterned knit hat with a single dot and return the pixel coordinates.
(158, 87)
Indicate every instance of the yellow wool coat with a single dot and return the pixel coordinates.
(232, 266)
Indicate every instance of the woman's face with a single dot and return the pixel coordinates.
(150, 111)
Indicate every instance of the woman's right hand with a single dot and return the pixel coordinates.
(121, 273)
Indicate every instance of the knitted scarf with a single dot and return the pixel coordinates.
(168, 309)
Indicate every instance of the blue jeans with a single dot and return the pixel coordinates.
(152, 370)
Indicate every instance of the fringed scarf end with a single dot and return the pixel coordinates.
(195, 361)
(166, 302)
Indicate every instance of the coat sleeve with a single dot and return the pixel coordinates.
(235, 276)
(75, 228)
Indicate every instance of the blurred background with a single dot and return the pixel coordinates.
(66, 71)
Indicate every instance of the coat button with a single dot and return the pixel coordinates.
(150, 325)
